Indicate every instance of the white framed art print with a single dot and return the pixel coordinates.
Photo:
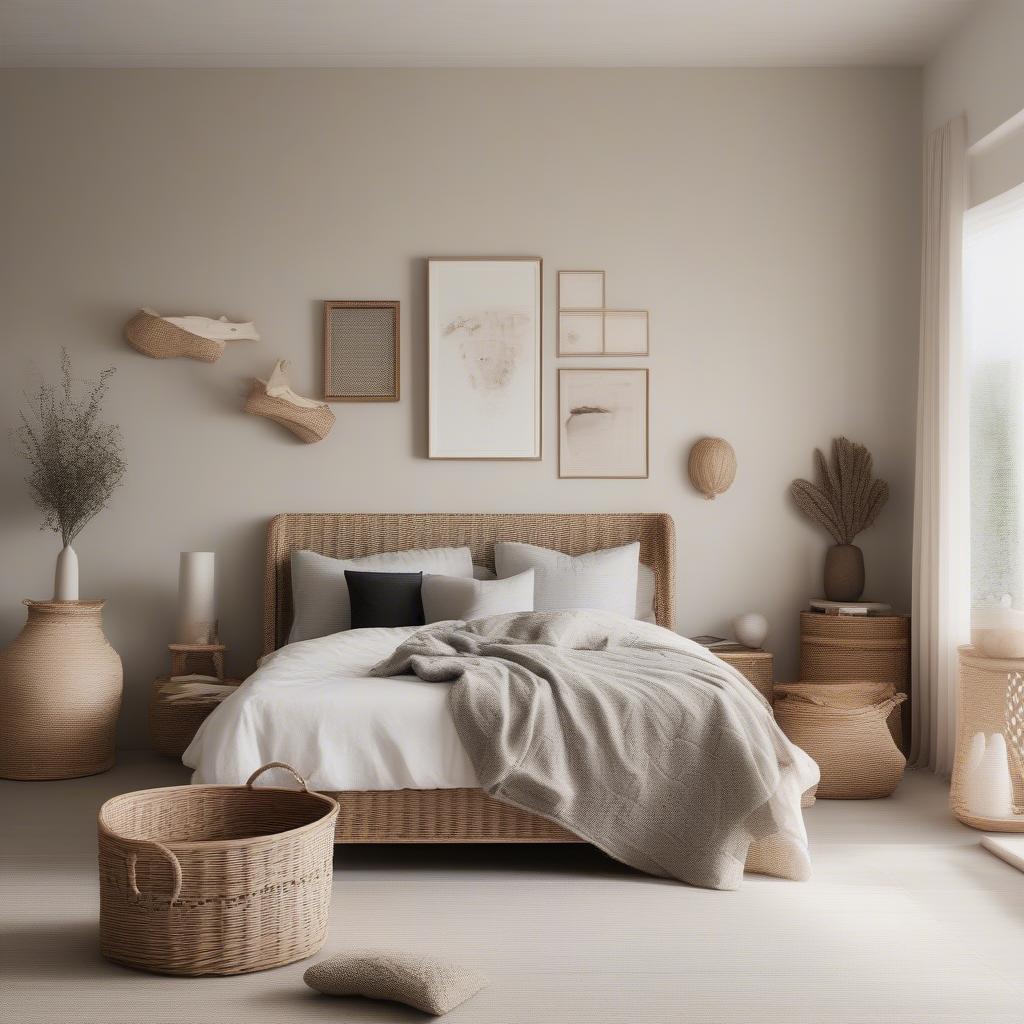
(603, 423)
(484, 358)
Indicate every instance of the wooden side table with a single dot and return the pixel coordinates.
(757, 665)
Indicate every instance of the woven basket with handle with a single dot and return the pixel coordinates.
(843, 727)
(215, 879)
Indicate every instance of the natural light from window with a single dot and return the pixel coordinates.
(994, 323)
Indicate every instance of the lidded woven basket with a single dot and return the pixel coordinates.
(215, 879)
(843, 727)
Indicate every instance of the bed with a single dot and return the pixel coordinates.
(451, 815)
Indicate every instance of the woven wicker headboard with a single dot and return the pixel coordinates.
(350, 535)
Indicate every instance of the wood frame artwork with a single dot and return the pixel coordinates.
(485, 358)
(362, 361)
(598, 427)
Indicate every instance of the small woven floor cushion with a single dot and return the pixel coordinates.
(431, 985)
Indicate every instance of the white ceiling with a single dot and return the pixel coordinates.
(471, 33)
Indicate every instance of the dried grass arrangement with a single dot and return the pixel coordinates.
(845, 501)
(847, 498)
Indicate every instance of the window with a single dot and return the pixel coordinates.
(994, 326)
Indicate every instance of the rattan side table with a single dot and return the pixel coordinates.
(173, 724)
(757, 665)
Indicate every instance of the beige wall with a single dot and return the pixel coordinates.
(979, 72)
(768, 219)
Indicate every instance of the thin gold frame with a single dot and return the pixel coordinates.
(581, 309)
(540, 360)
(626, 312)
(647, 420)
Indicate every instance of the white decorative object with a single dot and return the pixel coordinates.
(197, 601)
(484, 358)
(998, 632)
(751, 629)
(65, 579)
(602, 423)
(221, 329)
(987, 786)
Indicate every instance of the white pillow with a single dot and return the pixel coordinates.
(645, 594)
(320, 594)
(605, 580)
(452, 597)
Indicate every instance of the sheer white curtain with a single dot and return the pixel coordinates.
(941, 567)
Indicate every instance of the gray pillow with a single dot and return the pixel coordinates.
(452, 597)
(431, 985)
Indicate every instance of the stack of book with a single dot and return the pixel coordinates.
(850, 607)
(719, 644)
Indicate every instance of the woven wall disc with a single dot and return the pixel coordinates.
(712, 466)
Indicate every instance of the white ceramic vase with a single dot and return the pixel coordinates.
(65, 579)
(987, 787)
(751, 629)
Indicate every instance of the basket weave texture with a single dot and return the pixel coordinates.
(847, 648)
(982, 708)
(451, 815)
(309, 425)
(173, 724)
(61, 684)
(155, 337)
(842, 726)
(215, 879)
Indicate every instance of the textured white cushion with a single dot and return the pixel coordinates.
(645, 594)
(452, 597)
(427, 983)
(606, 580)
(320, 594)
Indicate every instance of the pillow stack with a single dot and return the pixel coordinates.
(411, 588)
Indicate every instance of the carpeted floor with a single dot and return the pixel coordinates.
(906, 920)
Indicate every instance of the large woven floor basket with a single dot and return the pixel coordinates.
(215, 879)
(843, 727)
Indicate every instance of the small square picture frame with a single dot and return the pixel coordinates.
(580, 290)
(581, 332)
(362, 350)
(626, 332)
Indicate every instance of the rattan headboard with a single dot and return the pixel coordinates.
(350, 535)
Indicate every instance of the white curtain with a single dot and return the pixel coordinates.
(941, 566)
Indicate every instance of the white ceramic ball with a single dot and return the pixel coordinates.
(751, 629)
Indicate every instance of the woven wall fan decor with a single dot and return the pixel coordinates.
(361, 350)
(712, 466)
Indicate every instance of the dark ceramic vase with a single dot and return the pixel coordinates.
(844, 573)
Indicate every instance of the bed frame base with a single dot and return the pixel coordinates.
(438, 816)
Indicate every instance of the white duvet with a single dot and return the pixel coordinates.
(311, 705)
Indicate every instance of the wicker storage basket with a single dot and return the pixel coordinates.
(843, 727)
(155, 337)
(988, 705)
(309, 425)
(173, 724)
(847, 648)
(215, 879)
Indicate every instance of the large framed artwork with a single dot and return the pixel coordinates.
(484, 358)
(603, 423)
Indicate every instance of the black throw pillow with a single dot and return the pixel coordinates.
(385, 598)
